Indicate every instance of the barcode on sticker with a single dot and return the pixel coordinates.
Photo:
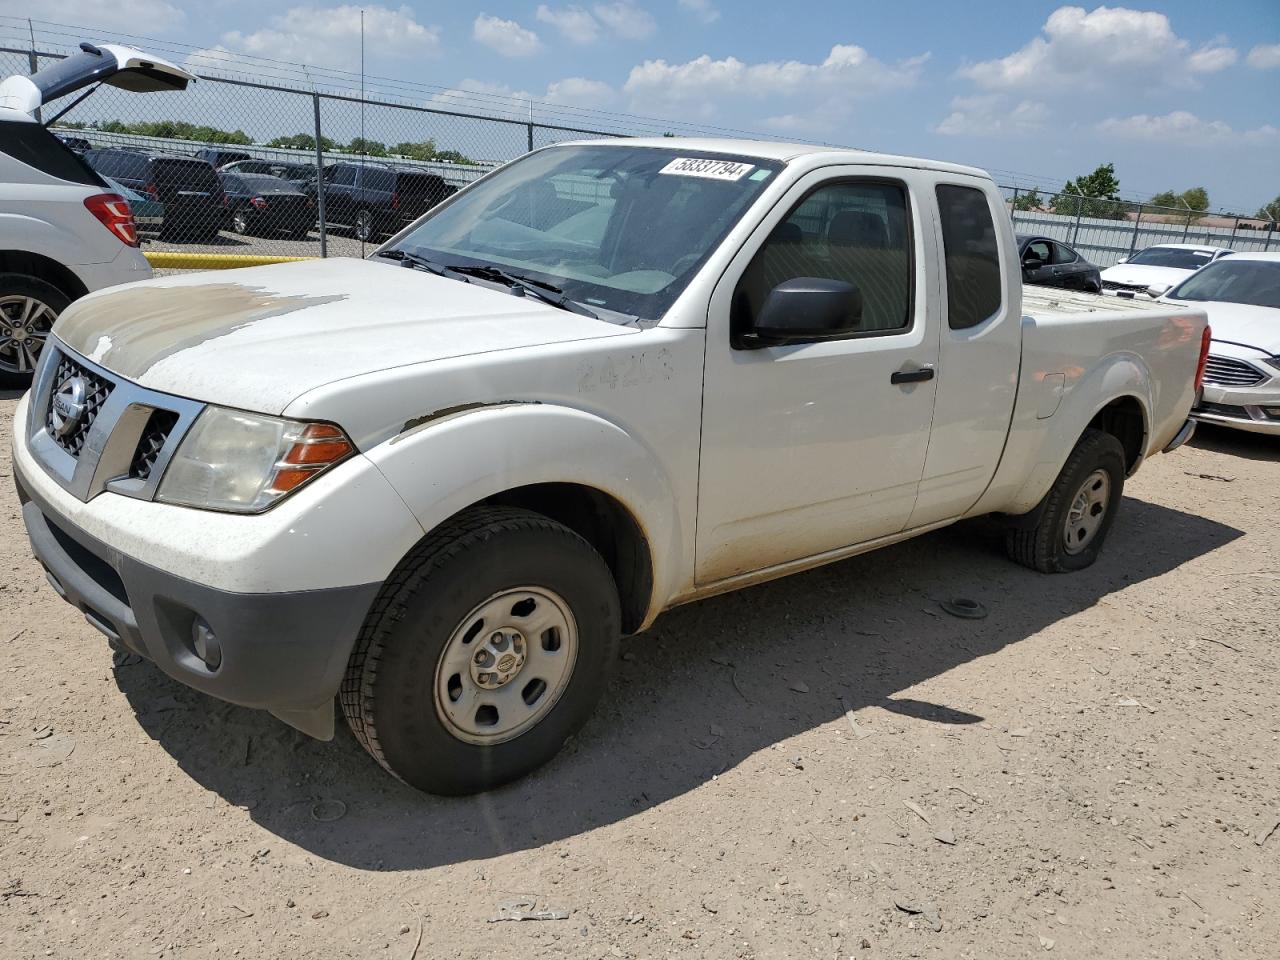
(711, 169)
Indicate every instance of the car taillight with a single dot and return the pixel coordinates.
(395, 201)
(1205, 339)
(152, 191)
(258, 203)
(112, 211)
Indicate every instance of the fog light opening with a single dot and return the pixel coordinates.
(205, 644)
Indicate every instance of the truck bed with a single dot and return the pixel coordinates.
(1049, 302)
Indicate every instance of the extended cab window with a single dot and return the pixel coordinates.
(854, 231)
(972, 257)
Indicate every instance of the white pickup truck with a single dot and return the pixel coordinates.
(606, 379)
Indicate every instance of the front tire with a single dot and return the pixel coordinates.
(485, 650)
(1078, 510)
(364, 228)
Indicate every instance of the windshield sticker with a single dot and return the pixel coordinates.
(708, 169)
(760, 175)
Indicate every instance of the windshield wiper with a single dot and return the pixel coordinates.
(546, 292)
(408, 259)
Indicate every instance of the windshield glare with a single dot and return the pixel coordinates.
(1172, 257)
(619, 227)
(1255, 282)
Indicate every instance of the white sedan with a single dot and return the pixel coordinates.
(1241, 294)
(1161, 267)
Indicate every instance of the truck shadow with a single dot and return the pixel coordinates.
(709, 687)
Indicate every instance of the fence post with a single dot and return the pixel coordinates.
(324, 240)
(530, 126)
(1187, 229)
(34, 62)
(1234, 227)
(1133, 241)
(1075, 233)
(1266, 244)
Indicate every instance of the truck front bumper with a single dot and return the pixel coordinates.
(283, 652)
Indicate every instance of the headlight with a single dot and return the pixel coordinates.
(1273, 361)
(245, 462)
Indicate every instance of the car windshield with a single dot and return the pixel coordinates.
(1255, 282)
(1176, 257)
(619, 227)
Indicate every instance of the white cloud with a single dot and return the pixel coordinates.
(1213, 57)
(580, 92)
(330, 36)
(493, 97)
(626, 20)
(505, 36)
(1184, 127)
(1096, 49)
(151, 14)
(992, 115)
(849, 71)
(1265, 56)
(576, 24)
(702, 9)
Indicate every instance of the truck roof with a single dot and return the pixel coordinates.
(785, 152)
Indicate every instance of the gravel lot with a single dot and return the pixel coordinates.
(1092, 770)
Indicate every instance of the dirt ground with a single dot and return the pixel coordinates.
(1091, 770)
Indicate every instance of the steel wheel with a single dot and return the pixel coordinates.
(240, 222)
(24, 327)
(1087, 512)
(506, 665)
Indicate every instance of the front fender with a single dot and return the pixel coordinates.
(448, 464)
(1046, 444)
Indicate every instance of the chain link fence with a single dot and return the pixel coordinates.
(269, 158)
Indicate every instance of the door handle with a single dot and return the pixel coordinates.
(911, 376)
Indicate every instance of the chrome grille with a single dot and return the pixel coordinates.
(1135, 287)
(159, 425)
(98, 389)
(1229, 372)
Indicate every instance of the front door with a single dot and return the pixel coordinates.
(811, 447)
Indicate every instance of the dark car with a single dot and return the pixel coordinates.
(1051, 263)
(78, 145)
(286, 169)
(220, 158)
(379, 198)
(194, 205)
(264, 205)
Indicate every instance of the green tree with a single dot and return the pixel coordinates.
(370, 148)
(176, 130)
(1270, 211)
(1095, 194)
(1196, 200)
(302, 141)
(1031, 200)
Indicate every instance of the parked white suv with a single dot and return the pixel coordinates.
(1154, 270)
(606, 379)
(63, 232)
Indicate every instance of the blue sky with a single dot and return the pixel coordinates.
(1176, 93)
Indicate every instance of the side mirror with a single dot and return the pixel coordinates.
(1031, 261)
(1122, 260)
(809, 308)
(1157, 290)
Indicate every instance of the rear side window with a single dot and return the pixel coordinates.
(972, 257)
(1064, 254)
(376, 178)
(35, 146)
(195, 173)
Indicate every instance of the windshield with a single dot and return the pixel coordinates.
(1173, 257)
(619, 227)
(1255, 282)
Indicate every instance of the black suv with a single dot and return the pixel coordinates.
(379, 198)
(195, 207)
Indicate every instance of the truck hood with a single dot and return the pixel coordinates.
(1137, 273)
(258, 338)
(1241, 323)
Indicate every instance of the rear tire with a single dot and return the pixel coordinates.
(1078, 510)
(28, 308)
(364, 228)
(416, 694)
